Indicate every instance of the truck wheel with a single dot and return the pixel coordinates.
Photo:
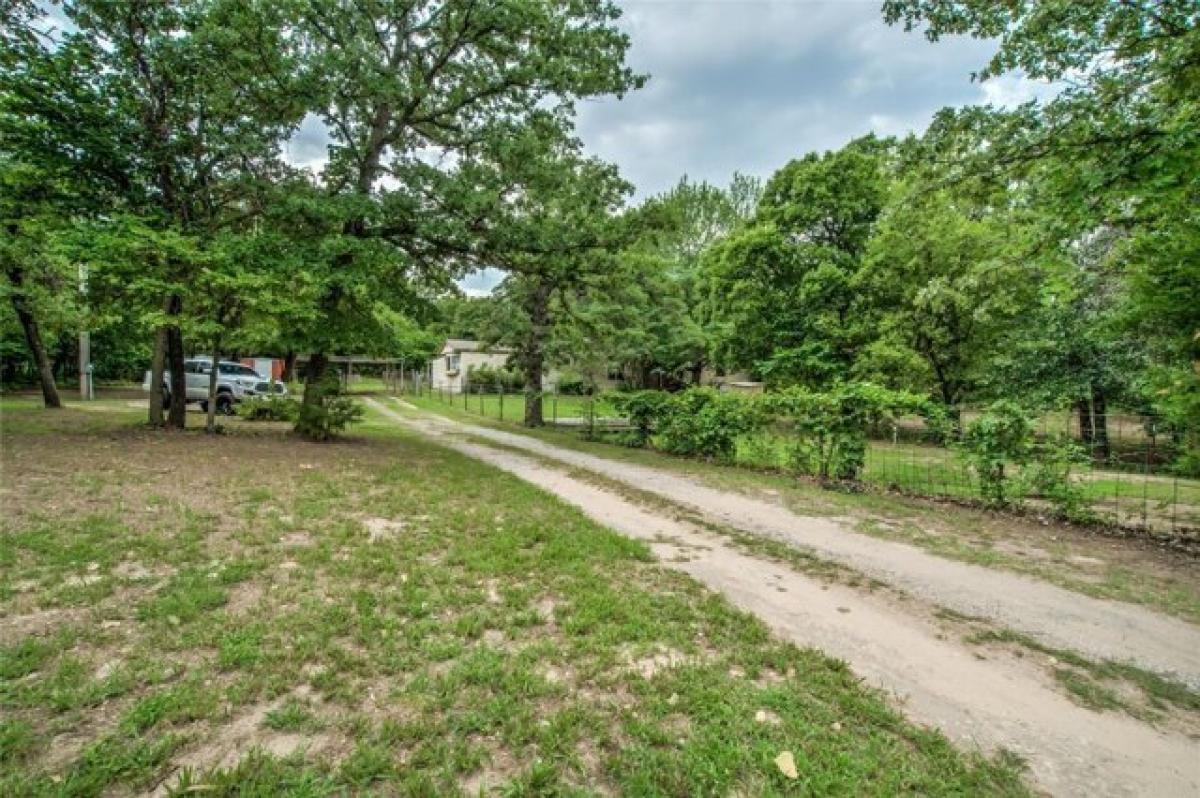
(224, 405)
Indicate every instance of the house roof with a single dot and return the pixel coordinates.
(454, 345)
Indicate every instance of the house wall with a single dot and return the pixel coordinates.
(443, 380)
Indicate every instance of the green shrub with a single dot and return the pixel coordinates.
(761, 448)
(573, 383)
(268, 408)
(487, 379)
(1048, 476)
(1175, 399)
(644, 411)
(330, 414)
(831, 427)
(995, 445)
(705, 422)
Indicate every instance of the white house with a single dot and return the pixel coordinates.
(448, 371)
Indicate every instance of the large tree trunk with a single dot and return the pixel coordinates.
(289, 367)
(314, 388)
(535, 354)
(33, 336)
(157, 367)
(177, 413)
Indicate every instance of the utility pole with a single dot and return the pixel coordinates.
(86, 390)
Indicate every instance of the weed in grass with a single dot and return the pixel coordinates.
(293, 716)
(17, 741)
(241, 647)
(188, 701)
(258, 775)
(1087, 691)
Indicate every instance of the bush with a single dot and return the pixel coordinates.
(572, 383)
(831, 427)
(269, 408)
(1049, 476)
(487, 379)
(330, 414)
(644, 410)
(705, 422)
(995, 445)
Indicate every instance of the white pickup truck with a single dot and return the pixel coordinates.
(235, 382)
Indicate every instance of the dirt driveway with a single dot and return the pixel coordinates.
(994, 702)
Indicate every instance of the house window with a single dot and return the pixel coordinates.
(452, 362)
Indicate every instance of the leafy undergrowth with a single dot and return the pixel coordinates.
(256, 614)
(1071, 557)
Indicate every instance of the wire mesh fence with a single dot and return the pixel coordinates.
(589, 413)
(1125, 472)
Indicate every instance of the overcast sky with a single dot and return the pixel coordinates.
(747, 85)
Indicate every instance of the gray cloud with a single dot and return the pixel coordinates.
(746, 86)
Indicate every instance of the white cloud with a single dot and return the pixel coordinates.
(1009, 91)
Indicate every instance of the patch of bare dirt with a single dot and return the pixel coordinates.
(650, 665)
(244, 597)
(42, 623)
(134, 571)
(500, 768)
(227, 743)
(383, 529)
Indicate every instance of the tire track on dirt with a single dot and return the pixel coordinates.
(994, 703)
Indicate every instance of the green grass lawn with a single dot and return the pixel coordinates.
(253, 614)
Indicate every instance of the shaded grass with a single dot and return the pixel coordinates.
(491, 638)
